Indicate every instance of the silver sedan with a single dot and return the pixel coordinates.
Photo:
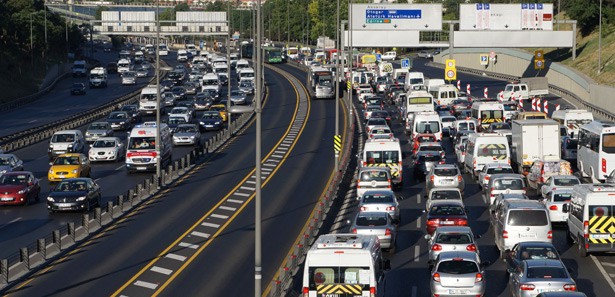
(533, 277)
(444, 175)
(380, 201)
(376, 223)
(458, 273)
(454, 238)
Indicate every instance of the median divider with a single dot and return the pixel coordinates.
(25, 262)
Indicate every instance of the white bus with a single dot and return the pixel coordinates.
(427, 123)
(163, 50)
(141, 153)
(487, 113)
(596, 152)
(415, 101)
(384, 153)
(572, 119)
(344, 265)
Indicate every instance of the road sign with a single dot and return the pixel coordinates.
(539, 64)
(405, 63)
(418, 17)
(378, 57)
(337, 143)
(484, 59)
(348, 85)
(450, 74)
(450, 63)
(539, 55)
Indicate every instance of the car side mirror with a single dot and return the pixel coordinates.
(30, 184)
(387, 264)
(50, 163)
(91, 145)
(427, 237)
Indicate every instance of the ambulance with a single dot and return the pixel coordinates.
(384, 153)
(591, 214)
(141, 152)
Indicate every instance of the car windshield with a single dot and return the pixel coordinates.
(70, 186)
(63, 138)
(496, 150)
(177, 120)
(445, 194)
(435, 148)
(428, 127)
(376, 175)
(566, 182)
(66, 161)
(380, 157)
(11, 179)
(117, 115)
(458, 267)
(371, 221)
(128, 74)
(537, 253)
(186, 129)
(104, 143)
(445, 171)
(454, 238)
(5, 160)
(147, 143)
(129, 108)
(211, 116)
(500, 126)
(446, 210)
(179, 111)
(78, 86)
(562, 197)
(508, 184)
(546, 272)
(376, 122)
(430, 158)
(496, 170)
(377, 198)
(218, 108)
(527, 217)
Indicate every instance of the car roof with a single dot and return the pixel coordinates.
(544, 263)
(563, 176)
(372, 214)
(108, 138)
(498, 165)
(505, 175)
(513, 196)
(425, 153)
(70, 155)
(447, 202)
(77, 179)
(465, 255)
(536, 243)
(430, 143)
(372, 192)
(17, 172)
(450, 166)
(454, 229)
(561, 191)
(436, 189)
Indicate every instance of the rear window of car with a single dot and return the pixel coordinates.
(497, 170)
(448, 119)
(546, 272)
(508, 184)
(566, 182)
(538, 253)
(371, 221)
(431, 158)
(454, 238)
(445, 210)
(446, 171)
(378, 198)
(374, 176)
(562, 197)
(527, 217)
(444, 194)
(458, 267)
(434, 148)
(572, 144)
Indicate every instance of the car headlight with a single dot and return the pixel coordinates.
(51, 146)
(201, 123)
(192, 137)
(50, 171)
(111, 152)
(50, 199)
(70, 145)
(81, 198)
(3, 171)
(87, 134)
(75, 171)
(217, 123)
(122, 123)
(22, 191)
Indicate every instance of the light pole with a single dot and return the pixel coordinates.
(228, 65)
(337, 84)
(257, 201)
(158, 111)
(600, 37)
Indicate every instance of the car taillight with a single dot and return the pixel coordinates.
(372, 291)
(553, 207)
(487, 177)
(603, 165)
(491, 192)
(354, 230)
(471, 248)
(527, 287)
(550, 235)
(387, 231)
(436, 247)
(570, 287)
(436, 277)
(459, 178)
(586, 229)
(542, 173)
(431, 178)
(461, 222)
(390, 208)
(504, 234)
(363, 208)
(479, 278)
(306, 292)
(433, 222)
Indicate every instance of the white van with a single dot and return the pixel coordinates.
(520, 220)
(384, 153)
(572, 119)
(241, 64)
(590, 218)
(246, 73)
(344, 265)
(445, 94)
(433, 84)
(98, 77)
(141, 153)
(147, 100)
(484, 148)
(427, 122)
(182, 56)
(123, 65)
(413, 79)
(210, 82)
(66, 141)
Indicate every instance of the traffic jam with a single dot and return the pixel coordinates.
(536, 174)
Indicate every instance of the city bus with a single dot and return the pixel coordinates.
(247, 51)
(273, 55)
(596, 152)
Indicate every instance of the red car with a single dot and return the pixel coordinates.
(446, 213)
(18, 188)
(420, 138)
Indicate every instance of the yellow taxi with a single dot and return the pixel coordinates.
(220, 108)
(69, 166)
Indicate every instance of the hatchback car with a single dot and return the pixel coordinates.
(372, 122)
(569, 148)
(532, 277)
(376, 223)
(382, 114)
(69, 166)
(373, 178)
(10, 162)
(77, 89)
(238, 98)
(441, 194)
(97, 130)
(555, 201)
(422, 138)
(380, 132)
(187, 134)
(182, 112)
(431, 147)
(444, 175)
(19, 187)
(458, 273)
(74, 194)
(119, 120)
(492, 168)
(424, 161)
(450, 239)
(246, 87)
(445, 213)
(529, 250)
(559, 182)
(380, 201)
(504, 183)
(107, 149)
(211, 120)
(129, 78)
(221, 108)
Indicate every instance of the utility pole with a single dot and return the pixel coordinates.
(228, 65)
(337, 84)
(158, 109)
(258, 269)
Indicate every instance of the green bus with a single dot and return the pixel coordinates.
(273, 55)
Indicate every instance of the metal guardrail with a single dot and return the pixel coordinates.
(31, 98)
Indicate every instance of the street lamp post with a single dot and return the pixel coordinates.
(600, 37)
(257, 201)
(157, 139)
(337, 85)
(228, 65)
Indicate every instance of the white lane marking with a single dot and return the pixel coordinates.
(228, 208)
(189, 245)
(161, 270)
(266, 169)
(284, 144)
(283, 148)
(418, 198)
(219, 216)
(418, 223)
(270, 165)
(414, 289)
(32, 121)
(146, 285)
(241, 194)
(206, 224)
(608, 279)
(175, 257)
(247, 188)
(251, 182)
(277, 156)
(13, 221)
(120, 167)
(199, 234)
(273, 160)
(417, 252)
(608, 264)
(67, 109)
(235, 201)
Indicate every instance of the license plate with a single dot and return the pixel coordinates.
(448, 181)
(458, 291)
(547, 290)
(141, 168)
(527, 235)
(600, 236)
(447, 222)
(63, 205)
(6, 199)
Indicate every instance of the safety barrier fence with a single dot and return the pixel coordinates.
(282, 284)
(29, 259)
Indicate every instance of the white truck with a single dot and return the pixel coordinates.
(528, 87)
(98, 77)
(534, 140)
(80, 68)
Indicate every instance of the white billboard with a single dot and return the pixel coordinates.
(409, 17)
(506, 17)
(514, 39)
